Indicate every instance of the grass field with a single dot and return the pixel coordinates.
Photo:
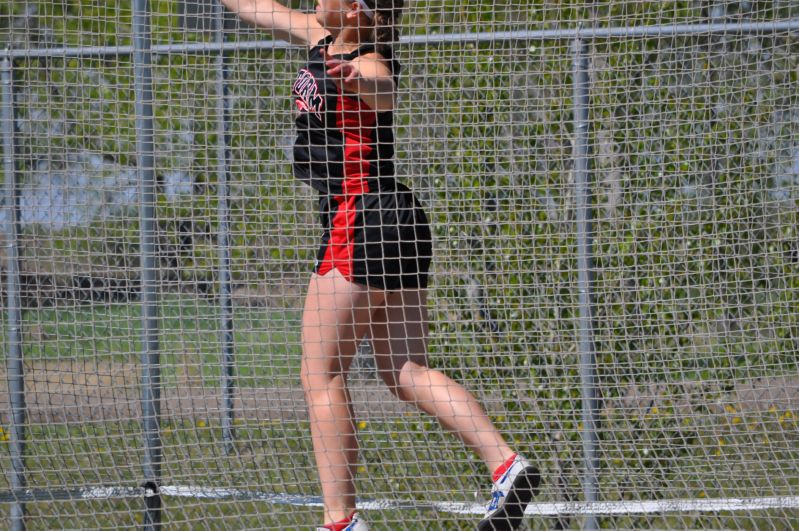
(275, 457)
(267, 340)
(730, 451)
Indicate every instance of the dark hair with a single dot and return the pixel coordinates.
(387, 16)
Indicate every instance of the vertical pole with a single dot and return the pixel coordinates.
(223, 213)
(14, 367)
(150, 355)
(585, 266)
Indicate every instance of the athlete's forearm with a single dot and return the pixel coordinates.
(257, 12)
(284, 23)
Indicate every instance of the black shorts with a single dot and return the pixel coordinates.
(378, 239)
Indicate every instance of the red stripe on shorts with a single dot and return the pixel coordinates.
(338, 254)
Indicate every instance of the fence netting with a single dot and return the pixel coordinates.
(694, 165)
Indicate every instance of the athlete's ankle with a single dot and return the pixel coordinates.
(338, 525)
(501, 469)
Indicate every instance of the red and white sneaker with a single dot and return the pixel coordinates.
(510, 495)
(353, 522)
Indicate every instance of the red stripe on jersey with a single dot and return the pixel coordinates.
(357, 124)
(339, 252)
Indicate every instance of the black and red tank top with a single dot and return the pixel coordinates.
(342, 145)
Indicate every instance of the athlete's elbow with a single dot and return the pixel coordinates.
(384, 103)
(239, 7)
(253, 12)
(385, 97)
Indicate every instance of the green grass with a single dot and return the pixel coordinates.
(664, 453)
(266, 341)
(395, 455)
(268, 457)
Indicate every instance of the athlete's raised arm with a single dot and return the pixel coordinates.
(284, 23)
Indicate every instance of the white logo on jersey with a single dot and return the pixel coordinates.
(307, 92)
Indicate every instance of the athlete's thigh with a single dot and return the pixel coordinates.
(399, 332)
(336, 315)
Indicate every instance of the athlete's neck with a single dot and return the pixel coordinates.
(348, 40)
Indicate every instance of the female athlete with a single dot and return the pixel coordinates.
(371, 271)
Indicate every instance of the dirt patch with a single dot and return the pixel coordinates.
(764, 393)
(89, 391)
(752, 396)
(85, 391)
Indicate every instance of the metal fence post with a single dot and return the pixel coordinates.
(14, 367)
(223, 212)
(150, 355)
(585, 266)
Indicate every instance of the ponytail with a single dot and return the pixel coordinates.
(387, 16)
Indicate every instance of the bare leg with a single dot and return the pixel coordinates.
(399, 338)
(336, 314)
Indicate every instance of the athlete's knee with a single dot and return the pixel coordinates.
(406, 394)
(392, 383)
(392, 376)
(325, 397)
(319, 382)
(408, 380)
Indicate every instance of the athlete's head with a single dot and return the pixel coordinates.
(377, 17)
(387, 15)
(332, 14)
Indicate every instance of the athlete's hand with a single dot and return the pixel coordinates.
(367, 76)
(347, 72)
